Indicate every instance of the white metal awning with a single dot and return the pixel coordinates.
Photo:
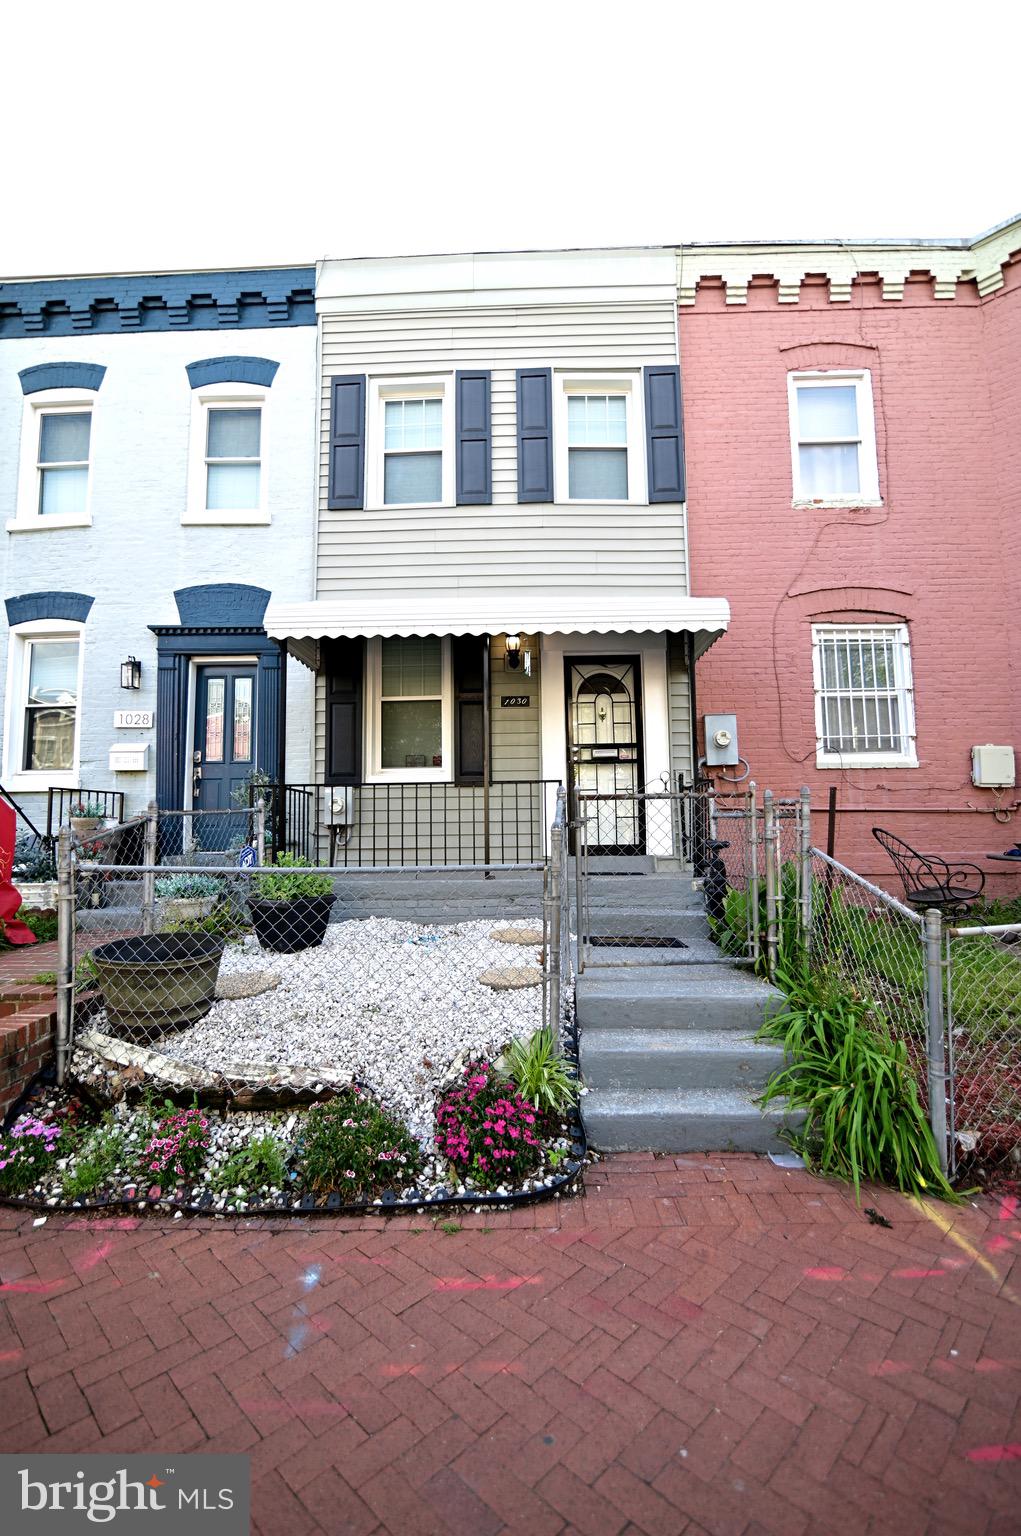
(538, 611)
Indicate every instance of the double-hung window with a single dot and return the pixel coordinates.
(233, 458)
(411, 711)
(833, 441)
(63, 462)
(413, 450)
(43, 705)
(598, 442)
(864, 707)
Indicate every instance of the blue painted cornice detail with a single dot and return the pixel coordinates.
(48, 605)
(172, 301)
(231, 370)
(222, 604)
(61, 376)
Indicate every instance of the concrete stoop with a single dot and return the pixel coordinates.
(668, 1050)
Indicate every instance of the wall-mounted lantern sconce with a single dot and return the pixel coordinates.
(513, 645)
(131, 673)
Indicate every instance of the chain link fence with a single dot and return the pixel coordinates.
(983, 1017)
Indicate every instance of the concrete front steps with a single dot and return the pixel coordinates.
(668, 1050)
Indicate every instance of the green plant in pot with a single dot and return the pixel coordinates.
(290, 905)
(185, 898)
(86, 816)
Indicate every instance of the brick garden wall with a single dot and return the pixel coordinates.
(28, 1018)
(939, 553)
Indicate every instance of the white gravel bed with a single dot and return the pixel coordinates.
(396, 1003)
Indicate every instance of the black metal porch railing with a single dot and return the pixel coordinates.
(60, 801)
(412, 823)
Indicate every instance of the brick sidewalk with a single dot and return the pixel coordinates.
(698, 1345)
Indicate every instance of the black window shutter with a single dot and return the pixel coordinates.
(347, 442)
(535, 434)
(664, 432)
(474, 430)
(343, 662)
(469, 713)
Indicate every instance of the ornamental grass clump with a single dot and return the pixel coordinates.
(486, 1130)
(27, 1153)
(541, 1072)
(353, 1145)
(178, 1146)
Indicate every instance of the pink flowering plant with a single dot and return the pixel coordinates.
(27, 1153)
(178, 1146)
(352, 1145)
(486, 1130)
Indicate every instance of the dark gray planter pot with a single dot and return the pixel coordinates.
(156, 984)
(287, 926)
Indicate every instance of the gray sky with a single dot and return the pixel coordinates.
(171, 136)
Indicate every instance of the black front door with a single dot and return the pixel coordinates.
(224, 752)
(604, 737)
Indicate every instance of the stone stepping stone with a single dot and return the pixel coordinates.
(517, 935)
(508, 977)
(245, 984)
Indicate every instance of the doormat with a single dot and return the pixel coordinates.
(634, 941)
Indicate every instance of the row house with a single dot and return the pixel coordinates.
(502, 595)
(854, 470)
(157, 491)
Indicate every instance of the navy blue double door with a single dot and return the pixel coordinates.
(223, 756)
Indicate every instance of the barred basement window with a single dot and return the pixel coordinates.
(864, 706)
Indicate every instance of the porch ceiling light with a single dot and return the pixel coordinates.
(513, 647)
(131, 673)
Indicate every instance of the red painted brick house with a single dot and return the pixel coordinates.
(853, 441)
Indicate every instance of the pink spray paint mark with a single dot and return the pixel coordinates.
(826, 1272)
(488, 1283)
(1008, 1208)
(997, 1244)
(1011, 1452)
(29, 1287)
(11, 1354)
(888, 1368)
(90, 1260)
(916, 1274)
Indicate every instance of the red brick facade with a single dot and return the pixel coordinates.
(940, 553)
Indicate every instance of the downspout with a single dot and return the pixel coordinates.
(692, 702)
(280, 808)
(487, 748)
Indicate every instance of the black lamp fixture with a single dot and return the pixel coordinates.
(131, 673)
(512, 644)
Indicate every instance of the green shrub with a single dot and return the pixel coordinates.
(42, 924)
(263, 1162)
(33, 859)
(853, 1080)
(541, 1072)
(224, 922)
(187, 887)
(732, 933)
(287, 880)
(100, 1151)
(352, 1145)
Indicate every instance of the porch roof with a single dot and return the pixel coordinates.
(475, 611)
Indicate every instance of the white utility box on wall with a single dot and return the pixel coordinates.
(992, 767)
(129, 759)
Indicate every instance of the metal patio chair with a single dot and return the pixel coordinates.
(930, 881)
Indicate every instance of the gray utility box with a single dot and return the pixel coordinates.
(721, 741)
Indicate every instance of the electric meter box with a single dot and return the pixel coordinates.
(992, 767)
(721, 741)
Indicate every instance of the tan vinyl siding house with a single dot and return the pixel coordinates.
(586, 563)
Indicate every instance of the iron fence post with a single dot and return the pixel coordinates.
(769, 859)
(805, 832)
(580, 845)
(260, 831)
(935, 1032)
(65, 949)
(149, 873)
(753, 872)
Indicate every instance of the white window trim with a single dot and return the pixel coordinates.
(27, 780)
(375, 773)
(867, 494)
(626, 382)
(407, 387)
(27, 516)
(905, 692)
(196, 512)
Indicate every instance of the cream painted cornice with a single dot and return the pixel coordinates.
(980, 261)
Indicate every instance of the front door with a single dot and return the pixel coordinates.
(224, 751)
(605, 750)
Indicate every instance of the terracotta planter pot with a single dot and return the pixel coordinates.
(287, 926)
(159, 983)
(85, 826)
(183, 909)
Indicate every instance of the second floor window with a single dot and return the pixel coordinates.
(833, 441)
(597, 447)
(233, 458)
(413, 451)
(63, 462)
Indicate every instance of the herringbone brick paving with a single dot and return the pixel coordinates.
(699, 1345)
